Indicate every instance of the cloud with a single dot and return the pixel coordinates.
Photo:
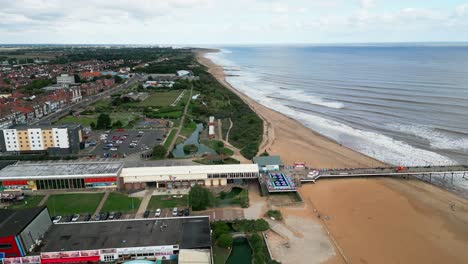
(367, 4)
(461, 10)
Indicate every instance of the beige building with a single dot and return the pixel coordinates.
(186, 176)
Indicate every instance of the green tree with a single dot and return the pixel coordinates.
(225, 241)
(117, 124)
(200, 198)
(118, 79)
(265, 153)
(103, 122)
(219, 228)
(92, 125)
(159, 152)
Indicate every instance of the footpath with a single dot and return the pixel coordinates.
(101, 204)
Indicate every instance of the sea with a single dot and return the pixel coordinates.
(406, 105)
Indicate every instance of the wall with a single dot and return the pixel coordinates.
(14, 250)
(35, 230)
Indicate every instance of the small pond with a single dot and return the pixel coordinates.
(194, 139)
(241, 252)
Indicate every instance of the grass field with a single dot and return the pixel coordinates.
(83, 120)
(86, 120)
(161, 99)
(188, 128)
(216, 145)
(170, 137)
(67, 204)
(28, 202)
(118, 202)
(162, 201)
(220, 255)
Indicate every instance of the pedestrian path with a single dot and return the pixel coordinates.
(144, 203)
(44, 200)
(101, 204)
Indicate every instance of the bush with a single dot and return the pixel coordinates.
(103, 121)
(219, 228)
(275, 214)
(200, 198)
(117, 124)
(225, 241)
(159, 152)
(191, 148)
(250, 226)
(256, 242)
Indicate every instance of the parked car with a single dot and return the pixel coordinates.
(146, 214)
(111, 215)
(158, 212)
(105, 216)
(57, 219)
(87, 217)
(175, 211)
(68, 218)
(113, 149)
(187, 212)
(180, 213)
(97, 217)
(118, 215)
(75, 217)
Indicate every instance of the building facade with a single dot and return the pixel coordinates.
(65, 79)
(65, 139)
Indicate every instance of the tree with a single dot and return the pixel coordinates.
(118, 79)
(265, 153)
(159, 152)
(219, 228)
(150, 78)
(92, 125)
(117, 124)
(225, 241)
(200, 198)
(103, 122)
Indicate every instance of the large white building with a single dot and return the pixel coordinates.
(65, 79)
(186, 176)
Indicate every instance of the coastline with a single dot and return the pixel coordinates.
(290, 139)
(370, 219)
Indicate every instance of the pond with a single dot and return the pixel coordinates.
(241, 252)
(194, 139)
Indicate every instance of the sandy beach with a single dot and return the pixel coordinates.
(371, 220)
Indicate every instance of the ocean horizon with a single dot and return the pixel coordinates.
(399, 103)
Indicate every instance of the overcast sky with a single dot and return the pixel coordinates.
(231, 21)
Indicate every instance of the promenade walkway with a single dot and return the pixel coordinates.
(101, 203)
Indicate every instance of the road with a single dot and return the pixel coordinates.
(87, 101)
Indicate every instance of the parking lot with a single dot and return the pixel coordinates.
(119, 143)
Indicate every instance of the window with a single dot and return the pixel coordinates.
(5, 246)
(56, 136)
(37, 133)
(108, 258)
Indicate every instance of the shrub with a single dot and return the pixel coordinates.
(225, 241)
(159, 152)
(275, 214)
(245, 225)
(200, 198)
(220, 228)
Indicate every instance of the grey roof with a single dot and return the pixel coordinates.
(187, 232)
(12, 222)
(50, 170)
(267, 160)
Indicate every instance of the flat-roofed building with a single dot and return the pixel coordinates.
(55, 140)
(60, 175)
(186, 176)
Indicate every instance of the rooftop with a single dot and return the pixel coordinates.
(12, 222)
(194, 170)
(267, 160)
(57, 170)
(187, 232)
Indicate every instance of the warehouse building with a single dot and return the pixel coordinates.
(186, 176)
(60, 175)
(115, 241)
(20, 230)
(54, 140)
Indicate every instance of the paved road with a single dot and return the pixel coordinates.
(87, 101)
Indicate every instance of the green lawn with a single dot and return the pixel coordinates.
(124, 117)
(168, 115)
(167, 201)
(28, 202)
(170, 137)
(220, 255)
(118, 202)
(161, 98)
(216, 146)
(67, 204)
(83, 120)
(188, 128)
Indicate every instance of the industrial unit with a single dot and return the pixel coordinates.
(30, 237)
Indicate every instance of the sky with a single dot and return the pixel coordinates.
(214, 22)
